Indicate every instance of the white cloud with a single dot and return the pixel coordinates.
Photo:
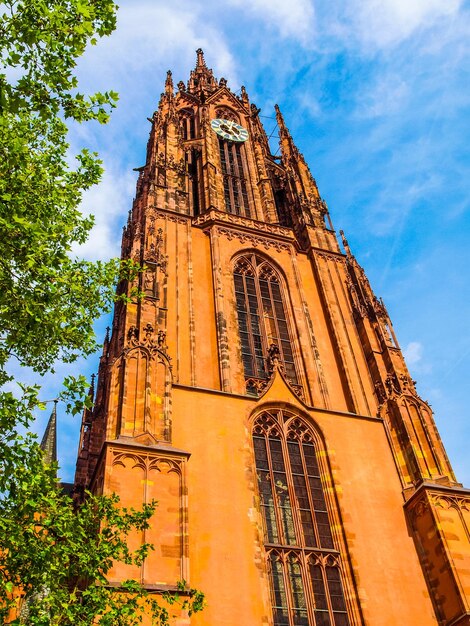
(149, 34)
(387, 96)
(413, 352)
(292, 19)
(309, 103)
(108, 202)
(382, 23)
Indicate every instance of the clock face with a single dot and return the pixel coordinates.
(229, 130)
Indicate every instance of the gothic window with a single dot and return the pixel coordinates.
(232, 160)
(188, 124)
(303, 565)
(262, 320)
(194, 169)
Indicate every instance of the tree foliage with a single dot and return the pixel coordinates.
(54, 555)
(48, 300)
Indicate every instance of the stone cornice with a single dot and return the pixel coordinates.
(444, 491)
(244, 224)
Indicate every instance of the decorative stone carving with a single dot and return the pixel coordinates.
(297, 430)
(380, 392)
(255, 386)
(253, 240)
(273, 360)
(408, 384)
(330, 256)
(133, 335)
(259, 227)
(446, 502)
(161, 341)
(169, 216)
(357, 305)
(392, 385)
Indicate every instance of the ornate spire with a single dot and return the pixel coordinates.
(200, 59)
(201, 80)
(169, 89)
(283, 130)
(49, 440)
(346, 247)
(289, 150)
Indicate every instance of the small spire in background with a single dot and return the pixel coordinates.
(91, 392)
(49, 440)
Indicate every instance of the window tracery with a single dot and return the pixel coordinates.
(304, 566)
(188, 123)
(232, 160)
(262, 321)
(224, 113)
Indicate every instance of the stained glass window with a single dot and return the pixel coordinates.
(303, 564)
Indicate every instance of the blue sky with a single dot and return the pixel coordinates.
(375, 93)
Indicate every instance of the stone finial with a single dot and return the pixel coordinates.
(345, 243)
(283, 130)
(244, 95)
(200, 58)
(169, 83)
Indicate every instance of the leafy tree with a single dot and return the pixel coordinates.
(56, 556)
(48, 300)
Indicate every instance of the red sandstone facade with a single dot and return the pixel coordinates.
(258, 392)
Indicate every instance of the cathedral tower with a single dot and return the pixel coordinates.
(256, 389)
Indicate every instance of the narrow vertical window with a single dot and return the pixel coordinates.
(193, 166)
(303, 564)
(262, 320)
(282, 210)
(234, 177)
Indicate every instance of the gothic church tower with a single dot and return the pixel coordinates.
(258, 392)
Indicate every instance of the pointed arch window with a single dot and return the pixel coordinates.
(188, 123)
(304, 566)
(262, 320)
(234, 169)
(232, 160)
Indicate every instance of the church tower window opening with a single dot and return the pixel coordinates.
(304, 566)
(233, 173)
(234, 169)
(193, 167)
(188, 124)
(262, 319)
(282, 210)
